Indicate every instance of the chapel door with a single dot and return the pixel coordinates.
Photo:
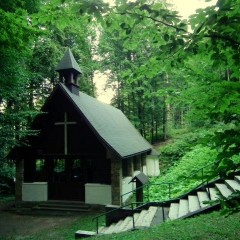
(68, 180)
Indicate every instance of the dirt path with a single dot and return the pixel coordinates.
(12, 224)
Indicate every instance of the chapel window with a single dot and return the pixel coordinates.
(41, 171)
(77, 171)
(40, 163)
(59, 170)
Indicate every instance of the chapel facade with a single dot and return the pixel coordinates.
(84, 150)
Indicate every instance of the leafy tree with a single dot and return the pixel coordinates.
(15, 40)
(132, 46)
(33, 40)
(216, 33)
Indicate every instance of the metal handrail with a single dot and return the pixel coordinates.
(149, 184)
(169, 183)
(134, 190)
(114, 210)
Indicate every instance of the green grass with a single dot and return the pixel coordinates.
(208, 227)
(67, 232)
(212, 226)
(5, 200)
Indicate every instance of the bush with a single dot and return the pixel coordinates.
(191, 162)
(171, 153)
(7, 173)
(7, 169)
(7, 186)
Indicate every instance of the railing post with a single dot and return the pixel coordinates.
(133, 220)
(163, 213)
(148, 191)
(208, 191)
(97, 225)
(169, 190)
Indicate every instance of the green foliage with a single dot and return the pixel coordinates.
(32, 42)
(133, 47)
(185, 174)
(181, 144)
(220, 29)
(231, 205)
(7, 169)
(164, 76)
(14, 77)
(30, 5)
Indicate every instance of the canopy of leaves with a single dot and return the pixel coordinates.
(166, 72)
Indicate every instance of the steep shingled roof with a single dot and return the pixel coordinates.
(110, 124)
(68, 62)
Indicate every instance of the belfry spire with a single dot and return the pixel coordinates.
(69, 71)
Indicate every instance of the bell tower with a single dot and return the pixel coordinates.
(69, 72)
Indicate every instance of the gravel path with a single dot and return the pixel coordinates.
(12, 224)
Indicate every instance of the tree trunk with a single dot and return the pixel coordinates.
(165, 121)
(166, 110)
(19, 180)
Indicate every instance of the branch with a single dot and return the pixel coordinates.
(226, 38)
(155, 20)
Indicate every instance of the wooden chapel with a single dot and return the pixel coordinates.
(83, 150)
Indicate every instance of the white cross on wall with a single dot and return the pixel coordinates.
(65, 124)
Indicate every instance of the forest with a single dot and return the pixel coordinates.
(170, 76)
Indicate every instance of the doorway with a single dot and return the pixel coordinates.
(68, 180)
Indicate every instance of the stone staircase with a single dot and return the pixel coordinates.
(143, 219)
(54, 207)
(198, 201)
(204, 199)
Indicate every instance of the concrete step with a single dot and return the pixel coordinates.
(160, 216)
(233, 185)
(126, 225)
(149, 216)
(65, 202)
(173, 211)
(102, 229)
(202, 197)
(65, 209)
(69, 206)
(237, 178)
(136, 216)
(141, 217)
(117, 226)
(223, 189)
(84, 234)
(177, 210)
(110, 229)
(62, 205)
(183, 207)
(213, 194)
(121, 225)
(193, 202)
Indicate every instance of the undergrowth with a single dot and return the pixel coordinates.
(184, 175)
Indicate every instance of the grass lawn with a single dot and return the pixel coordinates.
(209, 226)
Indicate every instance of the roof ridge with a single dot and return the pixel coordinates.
(110, 124)
(68, 62)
